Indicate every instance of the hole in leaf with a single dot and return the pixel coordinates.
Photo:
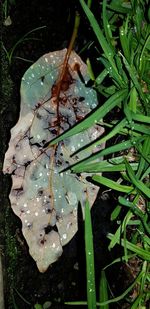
(50, 228)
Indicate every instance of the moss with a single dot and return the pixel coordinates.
(6, 81)
(12, 255)
(7, 218)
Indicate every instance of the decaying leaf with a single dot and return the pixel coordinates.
(44, 196)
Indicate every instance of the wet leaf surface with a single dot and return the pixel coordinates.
(43, 195)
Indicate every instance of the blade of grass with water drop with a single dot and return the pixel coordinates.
(110, 150)
(115, 130)
(101, 77)
(109, 52)
(125, 43)
(134, 76)
(101, 167)
(107, 48)
(112, 72)
(90, 271)
(106, 24)
(140, 128)
(95, 116)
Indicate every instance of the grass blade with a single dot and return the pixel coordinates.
(99, 113)
(115, 239)
(112, 184)
(101, 167)
(114, 300)
(108, 50)
(91, 291)
(116, 148)
(103, 290)
(138, 183)
(119, 126)
(142, 253)
(133, 75)
(137, 211)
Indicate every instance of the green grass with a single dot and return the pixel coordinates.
(26, 37)
(124, 58)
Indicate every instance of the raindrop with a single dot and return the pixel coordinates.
(121, 32)
(64, 236)
(73, 148)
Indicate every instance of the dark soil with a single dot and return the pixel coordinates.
(65, 280)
